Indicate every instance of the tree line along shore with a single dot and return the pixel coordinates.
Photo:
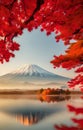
(41, 91)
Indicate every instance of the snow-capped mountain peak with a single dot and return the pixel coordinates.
(32, 70)
(32, 75)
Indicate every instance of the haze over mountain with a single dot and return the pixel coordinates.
(30, 75)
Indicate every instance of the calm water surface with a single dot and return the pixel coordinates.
(39, 113)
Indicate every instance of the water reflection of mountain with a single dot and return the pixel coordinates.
(45, 98)
(30, 119)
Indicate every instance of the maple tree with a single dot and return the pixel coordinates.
(64, 18)
(72, 59)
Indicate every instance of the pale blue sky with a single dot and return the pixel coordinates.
(36, 48)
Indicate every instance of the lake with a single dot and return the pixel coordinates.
(22, 112)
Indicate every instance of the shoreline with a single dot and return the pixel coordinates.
(33, 92)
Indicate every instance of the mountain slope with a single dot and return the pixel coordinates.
(32, 75)
(32, 69)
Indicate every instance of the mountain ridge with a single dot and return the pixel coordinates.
(33, 66)
(30, 69)
(34, 75)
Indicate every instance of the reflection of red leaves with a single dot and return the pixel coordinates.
(82, 97)
(76, 110)
(64, 127)
(78, 121)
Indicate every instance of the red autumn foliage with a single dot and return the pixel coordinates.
(64, 18)
(73, 58)
(74, 109)
(6, 50)
(78, 122)
(77, 81)
(13, 17)
(64, 127)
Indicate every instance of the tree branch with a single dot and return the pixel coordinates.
(39, 3)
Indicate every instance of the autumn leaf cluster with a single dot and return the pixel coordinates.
(61, 17)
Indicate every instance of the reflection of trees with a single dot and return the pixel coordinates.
(31, 118)
(78, 121)
(75, 110)
(45, 98)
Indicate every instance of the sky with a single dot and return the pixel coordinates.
(36, 48)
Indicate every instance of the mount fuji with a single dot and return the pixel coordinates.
(32, 75)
